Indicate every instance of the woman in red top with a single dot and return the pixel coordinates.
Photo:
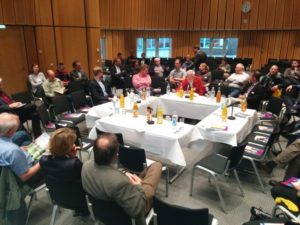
(192, 81)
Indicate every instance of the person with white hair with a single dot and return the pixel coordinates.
(158, 69)
(192, 81)
(238, 80)
(11, 155)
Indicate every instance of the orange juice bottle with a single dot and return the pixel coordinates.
(224, 112)
(181, 92)
(160, 115)
(122, 101)
(218, 96)
(192, 94)
(135, 110)
(244, 105)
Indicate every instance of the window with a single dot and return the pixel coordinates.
(219, 47)
(153, 47)
(102, 49)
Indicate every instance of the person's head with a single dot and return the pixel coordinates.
(274, 70)
(62, 141)
(35, 69)
(203, 68)
(223, 61)
(143, 55)
(144, 69)
(9, 124)
(135, 63)
(132, 53)
(157, 61)
(60, 67)
(295, 64)
(76, 65)
(117, 61)
(51, 75)
(177, 64)
(105, 149)
(98, 73)
(239, 68)
(190, 74)
(188, 57)
(254, 76)
(1, 84)
(119, 55)
(196, 48)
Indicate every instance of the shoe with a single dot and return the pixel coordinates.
(274, 183)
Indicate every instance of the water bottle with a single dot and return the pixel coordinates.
(131, 97)
(174, 120)
(212, 93)
(168, 89)
(148, 92)
(114, 102)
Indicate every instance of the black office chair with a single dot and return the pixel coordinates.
(119, 136)
(158, 83)
(165, 213)
(274, 110)
(24, 97)
(85, 144)
(134, 159)
(110, 213)
(80, 101)
(43, 112)
(62, 110)
(217, 164)
(69, 195)
(75, 86)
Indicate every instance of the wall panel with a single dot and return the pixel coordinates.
(93, 38)
(92, 14)
(30, 44)
(8, 12)
(43, 12)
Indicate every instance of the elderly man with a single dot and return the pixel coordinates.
(53, 86)
(271, 80)
(177, 74)
(103, 181)
(238, 80)
(157, 69)
(19, 161)
(100, 93)
(24, 111)
(192, 81)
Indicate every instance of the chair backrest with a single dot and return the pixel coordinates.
(75, 86)
(109, 212)
(236, 155)
(43, 114)
(78, 98)
(274, 105)
(24, 97)
(119, 136)
(61, 104)
(68, 194)
(133, 159)
(177, 215)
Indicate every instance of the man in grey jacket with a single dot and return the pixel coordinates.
(102, 180)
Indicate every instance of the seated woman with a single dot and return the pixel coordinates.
(225, 67)
(36, 80)
(62, 171)
(142, 79)
(205, 74)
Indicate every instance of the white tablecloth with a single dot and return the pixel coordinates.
(211, 128)
(159, 139)
(106, 109)
(198, 109)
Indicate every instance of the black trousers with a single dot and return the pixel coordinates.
(287, 193)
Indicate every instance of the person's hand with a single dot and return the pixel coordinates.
(110, 99)
(24, 148)
(289, 88)
(134, 179)
(241, 97)
(15, 105)
(296, 185)
(74, 150)
(274, 88)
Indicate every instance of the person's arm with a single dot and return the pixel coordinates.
(32, 81)
(47, 89)
(96, 93)
(30, 172)
(136, 82)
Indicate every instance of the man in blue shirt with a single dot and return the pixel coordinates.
(11, 155)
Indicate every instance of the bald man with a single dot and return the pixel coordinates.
(11, 155)
(53, 86)
(271, 80)
(238, 80)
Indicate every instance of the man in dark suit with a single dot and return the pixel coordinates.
(78, 74)
(254, 93)
(102, 180)
(25, 112)
(99, 91)
(118, 74)
(200, 57)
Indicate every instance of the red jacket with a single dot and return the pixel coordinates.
(197, 84)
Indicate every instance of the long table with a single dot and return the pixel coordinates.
(199, 108)
(230, 132)
(106, 109)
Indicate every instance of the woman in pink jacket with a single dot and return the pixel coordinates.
(141, 79)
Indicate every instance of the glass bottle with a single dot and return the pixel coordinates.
(135, 110)
(224, 111)
(122, 101)
(218, 96)
(160, 114)
(192, 94)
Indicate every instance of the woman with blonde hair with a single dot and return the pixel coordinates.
(62, 170)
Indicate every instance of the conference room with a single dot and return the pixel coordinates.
(157, 112)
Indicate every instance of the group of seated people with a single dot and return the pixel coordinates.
(61, 167)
